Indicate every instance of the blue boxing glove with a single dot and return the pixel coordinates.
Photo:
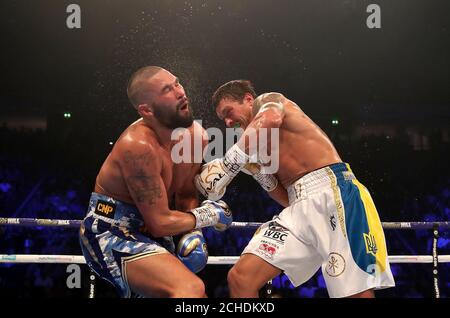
(212, 213)
(192, 251)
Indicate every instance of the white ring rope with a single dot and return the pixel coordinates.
(212, 260)
(220, 260)
(76, 224)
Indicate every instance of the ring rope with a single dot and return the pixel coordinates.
(77, 223)
(222, 260)
(212, 260)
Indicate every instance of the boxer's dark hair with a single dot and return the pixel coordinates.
(235, 90)
(136, 89)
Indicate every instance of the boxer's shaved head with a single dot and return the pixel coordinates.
(137, 89)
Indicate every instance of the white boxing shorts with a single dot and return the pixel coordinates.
(331, 223)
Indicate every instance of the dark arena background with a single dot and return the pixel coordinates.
(375, 79)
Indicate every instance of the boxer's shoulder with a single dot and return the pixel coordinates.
(268, 99)
(138, 135)
(137, 144)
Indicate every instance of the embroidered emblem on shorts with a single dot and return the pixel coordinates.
(333, 222)
(267, 250)
(276, 232)
(276, 236)
(274, 226)
(105, 208)
(336, 265)
(371, 244)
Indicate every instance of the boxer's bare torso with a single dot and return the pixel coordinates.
(112, 182)
(304, 147)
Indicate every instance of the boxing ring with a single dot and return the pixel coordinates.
(434, 258)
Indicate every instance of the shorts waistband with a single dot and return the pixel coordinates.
(319, 178)
(114, 212)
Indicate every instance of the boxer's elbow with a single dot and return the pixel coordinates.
(155, 230)
(169, 223)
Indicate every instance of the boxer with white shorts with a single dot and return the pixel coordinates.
(330, 220)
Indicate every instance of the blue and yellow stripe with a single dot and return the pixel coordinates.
(363, 226)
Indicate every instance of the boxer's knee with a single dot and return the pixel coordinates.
(238, 280)
(191, 288)
(232, 277)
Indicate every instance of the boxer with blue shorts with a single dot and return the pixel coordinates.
(112, 235)
(143, 196)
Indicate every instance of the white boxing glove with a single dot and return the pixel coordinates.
(212, 180)
(217, 174)
(267, 181)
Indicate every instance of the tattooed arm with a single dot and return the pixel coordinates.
(141, 167)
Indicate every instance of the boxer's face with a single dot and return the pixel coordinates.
(170, 104)
(235, 113)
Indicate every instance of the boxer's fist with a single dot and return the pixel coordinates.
(215, 176)
(192, 251)
(212, 180)
(215, 214)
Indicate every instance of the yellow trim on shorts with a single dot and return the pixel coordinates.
(337, 200)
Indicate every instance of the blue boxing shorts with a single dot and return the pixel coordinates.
(112, 235)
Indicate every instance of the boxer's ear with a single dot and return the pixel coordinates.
(145, 110)
(248, 99)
